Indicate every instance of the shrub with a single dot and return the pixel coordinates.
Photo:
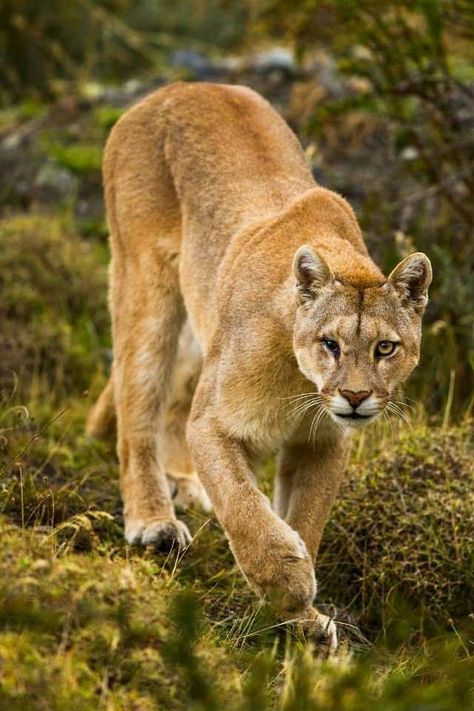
(402, 530)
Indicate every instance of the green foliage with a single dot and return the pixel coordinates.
(86, 622)
(85, 632)
(23, 111)
(106, 116)
(391, 531)
(95, 631)
(180, 652)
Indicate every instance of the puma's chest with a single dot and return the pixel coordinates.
(255, 400)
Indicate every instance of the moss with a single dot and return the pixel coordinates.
(400, 531)
(92, 631)
(402, 528)
(78, 631)
(23, 111)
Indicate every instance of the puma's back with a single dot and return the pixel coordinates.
(214, 163)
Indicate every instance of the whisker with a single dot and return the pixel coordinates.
(310, 434)
(314, 398)
(303, 403)
(300, 410)
(324, 415)
(407, 397)
(388, 419)
(300, 395)
(315, 423)
(390, 408)
(398, 412)
(312, 423)
(403, 404)
(396, 408)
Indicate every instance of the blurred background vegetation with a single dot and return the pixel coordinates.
(381, 94)
(47, 46)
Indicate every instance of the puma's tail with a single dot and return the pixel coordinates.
(101, 422)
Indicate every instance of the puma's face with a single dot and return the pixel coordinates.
(357, 344)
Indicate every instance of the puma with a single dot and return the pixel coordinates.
(248, 318)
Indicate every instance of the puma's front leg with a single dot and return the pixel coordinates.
(308, 479)
(270, 553)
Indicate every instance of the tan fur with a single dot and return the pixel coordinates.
(215, 217)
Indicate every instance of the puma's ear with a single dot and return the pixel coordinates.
(411, 278)
(311, 272)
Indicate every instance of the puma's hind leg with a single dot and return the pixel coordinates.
(147, 315)
(147, 312)
(186, 489)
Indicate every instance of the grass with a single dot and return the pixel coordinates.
(53, 306)
(86, 622)
(80, 159)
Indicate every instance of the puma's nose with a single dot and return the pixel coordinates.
(354, 399)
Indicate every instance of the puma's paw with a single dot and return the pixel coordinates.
(284, 574)
(163, 534)
(187, 491)
(320, 629)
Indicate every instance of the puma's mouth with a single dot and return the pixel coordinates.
(353, 416)
(353, 419)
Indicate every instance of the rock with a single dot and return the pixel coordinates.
(196, 63)
(276, 60)
(328, 76)
(54, 181)
(409, 153)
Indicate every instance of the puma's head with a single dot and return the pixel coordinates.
(357, 344)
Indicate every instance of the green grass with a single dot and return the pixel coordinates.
(87, 622)
(53, 307)
(80, 158)
(106, 116)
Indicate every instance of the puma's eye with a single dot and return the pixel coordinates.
(331, 346)
(385, 348)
